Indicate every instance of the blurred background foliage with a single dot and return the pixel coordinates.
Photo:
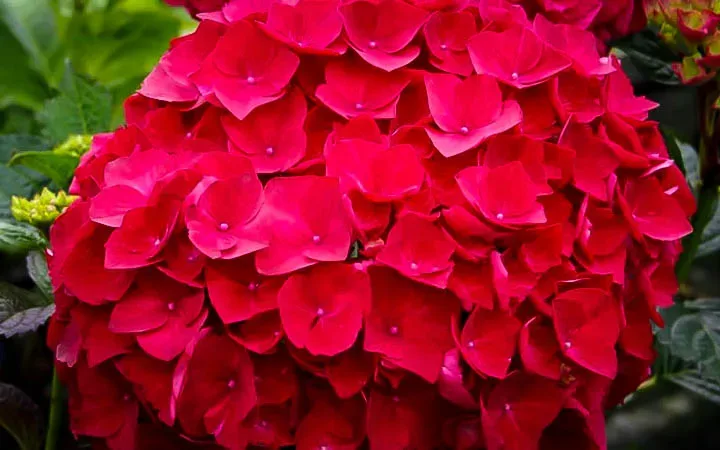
(114, 43)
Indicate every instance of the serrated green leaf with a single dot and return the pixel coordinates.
(26, 320)
(81, 108)
(38, 270)
(58, 167)
(21, 417)
(18, 237)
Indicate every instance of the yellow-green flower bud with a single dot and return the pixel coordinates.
(42, 209)
(75, 145)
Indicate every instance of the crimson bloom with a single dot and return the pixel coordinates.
(398, 224)
(516, 56)
(381, 31)
(452, 105)
(307, 224)
(323, 310)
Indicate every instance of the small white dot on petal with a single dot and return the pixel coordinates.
(372, 44)
(231, 384)
(251, 80)
(224, 227)
(507, 407)
(316, 239)
(443, 46)
(171, 306)
(394, 330)
(358, 106)
(320, 312)
(604, 60)
(471, 344)
(413, 266)
(269, 151)
(188, 134)
(464, 130)
(568, 344)
(500, 216)
(157, 242)
(514, 76)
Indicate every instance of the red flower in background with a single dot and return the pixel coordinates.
(397, 223)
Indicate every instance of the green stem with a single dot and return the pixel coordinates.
(56, 409)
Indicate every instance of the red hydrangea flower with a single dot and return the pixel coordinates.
(389, 223)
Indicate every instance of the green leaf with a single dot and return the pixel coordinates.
(17, 180)
(81, 108)
(32, 22)
(649, 58)
(21, 417)
(58, 167)
(14, 300)
(706, 211)
(26, 320)
(20, 85)
(18, 237)
(673, 147)
(122, 42)
(695, 337)
(710, 242)
(695, 382)
(38, 270)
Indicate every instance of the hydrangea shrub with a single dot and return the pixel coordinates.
(344, 223)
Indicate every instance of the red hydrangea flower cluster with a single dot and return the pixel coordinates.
(607, 19)
(343, 222)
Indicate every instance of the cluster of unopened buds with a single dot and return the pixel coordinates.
(691, 29)
(341, 223)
